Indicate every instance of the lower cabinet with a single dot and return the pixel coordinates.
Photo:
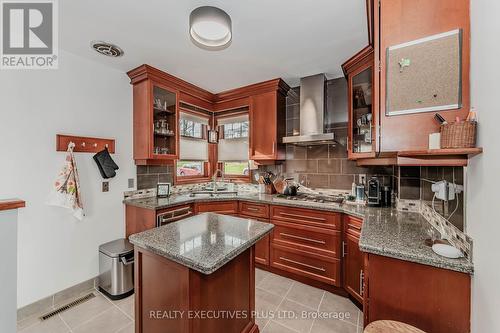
(220, 207)
(262, 251)
(352, 258)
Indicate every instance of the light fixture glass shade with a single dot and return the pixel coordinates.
(210, 28)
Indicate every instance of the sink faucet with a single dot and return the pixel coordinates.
(214, 179)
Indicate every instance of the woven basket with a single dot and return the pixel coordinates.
(458, 135)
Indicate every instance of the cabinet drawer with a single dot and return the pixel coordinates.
(313, 239)
(221, 207)
(353, 225)
(253, 209)
(306, 216)
(309, 265)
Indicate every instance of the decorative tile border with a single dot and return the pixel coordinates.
(448, 231)
(406, 205)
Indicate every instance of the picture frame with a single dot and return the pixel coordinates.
(163, 190)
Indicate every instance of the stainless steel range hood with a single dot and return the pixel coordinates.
(312, 113)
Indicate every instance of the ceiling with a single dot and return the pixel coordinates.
(271, 38)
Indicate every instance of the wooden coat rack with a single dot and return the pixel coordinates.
(84, 144)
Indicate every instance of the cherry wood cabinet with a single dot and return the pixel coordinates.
(362, 105)
(267, 126)
(219, 207)
(314, 218)
(353, 266)
(432, 299)
(261, 213)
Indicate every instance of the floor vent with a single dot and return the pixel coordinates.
(68, 306)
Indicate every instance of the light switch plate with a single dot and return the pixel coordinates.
(105, 186)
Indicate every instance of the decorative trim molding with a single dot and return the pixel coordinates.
(8, 204)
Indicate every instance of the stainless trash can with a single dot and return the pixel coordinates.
(116, 269)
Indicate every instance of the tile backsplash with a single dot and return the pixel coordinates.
(415, 183)
(149, 176)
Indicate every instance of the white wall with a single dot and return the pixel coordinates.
(483, 222)
(55, 251)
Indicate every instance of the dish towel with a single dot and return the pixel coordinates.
(66, 189)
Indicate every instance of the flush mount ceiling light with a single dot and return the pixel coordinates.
(210, 28)
(107, 49)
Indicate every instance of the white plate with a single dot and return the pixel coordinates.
(447, 251)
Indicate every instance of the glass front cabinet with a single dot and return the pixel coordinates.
(362, 136)
(156, 119)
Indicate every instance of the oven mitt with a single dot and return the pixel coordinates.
(105, 164)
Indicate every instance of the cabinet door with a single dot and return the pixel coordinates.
(361, 112)
(219, 207)
(262, 251)
(263, 125)
(353, 267)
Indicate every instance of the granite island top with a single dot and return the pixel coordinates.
(203, 242)
(385, 231)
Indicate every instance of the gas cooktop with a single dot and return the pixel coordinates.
(312, 198)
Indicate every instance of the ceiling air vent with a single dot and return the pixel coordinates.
(107, 49)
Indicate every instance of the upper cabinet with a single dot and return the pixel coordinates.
(391, 102)
(157, 98)
(267, 126)
(363, 115)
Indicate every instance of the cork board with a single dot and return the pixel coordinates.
(424, 75)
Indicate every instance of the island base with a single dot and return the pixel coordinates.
(170, 297)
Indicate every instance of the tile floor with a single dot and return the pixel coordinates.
(283, 305)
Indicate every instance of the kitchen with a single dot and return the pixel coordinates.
(293, 181)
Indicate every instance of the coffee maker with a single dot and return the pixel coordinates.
(374, 192)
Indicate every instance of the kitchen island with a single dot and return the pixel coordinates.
(197, 275)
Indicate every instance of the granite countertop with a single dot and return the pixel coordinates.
(203, 242)
(385, 231)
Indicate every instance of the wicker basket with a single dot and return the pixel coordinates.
(458, 135)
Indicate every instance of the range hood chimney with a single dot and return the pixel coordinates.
(312, 113)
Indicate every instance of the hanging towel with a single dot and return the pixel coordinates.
(66, 190)
(105, 164)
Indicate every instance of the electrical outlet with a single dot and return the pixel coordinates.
(131, 182)
(362, 179)
(105, 186)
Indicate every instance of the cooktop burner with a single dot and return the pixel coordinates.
(313, 198)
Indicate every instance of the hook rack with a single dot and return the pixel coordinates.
(84, 144)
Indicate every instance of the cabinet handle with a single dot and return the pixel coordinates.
(344, 252)
(274, 144)
(361, 282)
(302, 238)
(353, 226)
(321, 269)
(303, 217)
(253, 209)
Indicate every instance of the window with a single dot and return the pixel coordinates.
(190, 168)
(193, 148)
(236, 130)
(233, 146)
(236, 168)
(192, 129)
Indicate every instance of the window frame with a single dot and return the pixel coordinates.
(207, 165)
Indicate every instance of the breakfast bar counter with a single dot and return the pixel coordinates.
(197, 275)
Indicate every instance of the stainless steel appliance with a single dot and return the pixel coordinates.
(311, 199)
(173, 215)
(386, 196)
(116, 269)
(374, 193)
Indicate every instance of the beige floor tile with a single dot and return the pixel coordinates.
(291, 315)
(333, 326)
(52, 325)
(260, 275)
(261, 322)
(85, 311)
(109, 321)
(276, 284)
(265, 306)
(341, 305)
(130, 328)
(126, 305)
(274, 327)
(305, 295)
